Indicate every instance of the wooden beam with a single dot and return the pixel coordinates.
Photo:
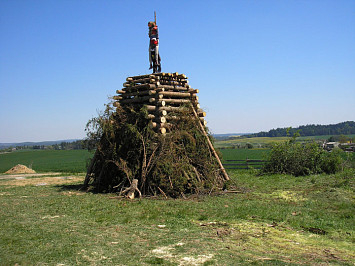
(174, 88)
(142, 86)
(137, 100)
(174, 117)
(143, 80)
(174, 109)
(160, 128)
(137, 93)
(226, 177)
(156, 110)
(193, 91)
(153, 124)
(177, 101)
(173, 82)
(140, 77)
(175, 94)
(161, 119)
(201, 114)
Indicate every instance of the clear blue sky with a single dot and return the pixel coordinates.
(258, 64)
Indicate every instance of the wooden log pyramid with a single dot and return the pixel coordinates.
(164, 95)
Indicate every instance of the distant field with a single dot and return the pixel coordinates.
(323, 137)
(254, 141)
(74, 161)
(243, 154)
(47, 160)
(261, 141)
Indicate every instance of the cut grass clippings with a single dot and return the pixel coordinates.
(277, 219)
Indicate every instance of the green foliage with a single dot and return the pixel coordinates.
(249, 146)
(299, 159)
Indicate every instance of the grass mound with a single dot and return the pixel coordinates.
(127, 148)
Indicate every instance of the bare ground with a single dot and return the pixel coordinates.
(42, 179)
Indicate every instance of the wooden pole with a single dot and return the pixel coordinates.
(226, 177)
(137, 93)
(142, 86)
(176, 94)
(160, 119)
(177, 101)
(174, 88)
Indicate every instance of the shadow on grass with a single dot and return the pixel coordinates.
(71, 187)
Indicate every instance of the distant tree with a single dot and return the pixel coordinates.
(331, 139)
(343, 139)
(249, 146)
(345, 128)
(291, 157)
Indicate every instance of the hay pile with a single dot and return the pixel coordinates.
(20, 169)
(174, 164)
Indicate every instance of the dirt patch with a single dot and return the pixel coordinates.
(43, 181)
(20, 169)
(171, 254)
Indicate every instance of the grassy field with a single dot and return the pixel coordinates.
(262, 141)
(276, 219)
(256, 142)
(323, 137)
(47, 160)
(243, 154)
(74, 161)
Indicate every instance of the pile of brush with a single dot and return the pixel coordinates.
(135, 156)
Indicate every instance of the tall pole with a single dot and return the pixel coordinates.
(155, 18)
(225, 175)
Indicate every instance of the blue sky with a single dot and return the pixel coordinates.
(257, 64)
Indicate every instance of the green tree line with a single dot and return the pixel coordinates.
(75, 145)
(344, 128)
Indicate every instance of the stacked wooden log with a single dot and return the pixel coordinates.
(167, 96)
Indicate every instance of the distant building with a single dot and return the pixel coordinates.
(331, 145)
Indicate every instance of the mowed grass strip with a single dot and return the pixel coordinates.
(73, 161)
(276, 219)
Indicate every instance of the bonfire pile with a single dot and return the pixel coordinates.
(153, 141)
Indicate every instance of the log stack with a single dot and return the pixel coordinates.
(168, 97)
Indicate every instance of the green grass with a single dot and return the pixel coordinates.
(74, 161)
(275, 220)
(47, 160)
(243, 154)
